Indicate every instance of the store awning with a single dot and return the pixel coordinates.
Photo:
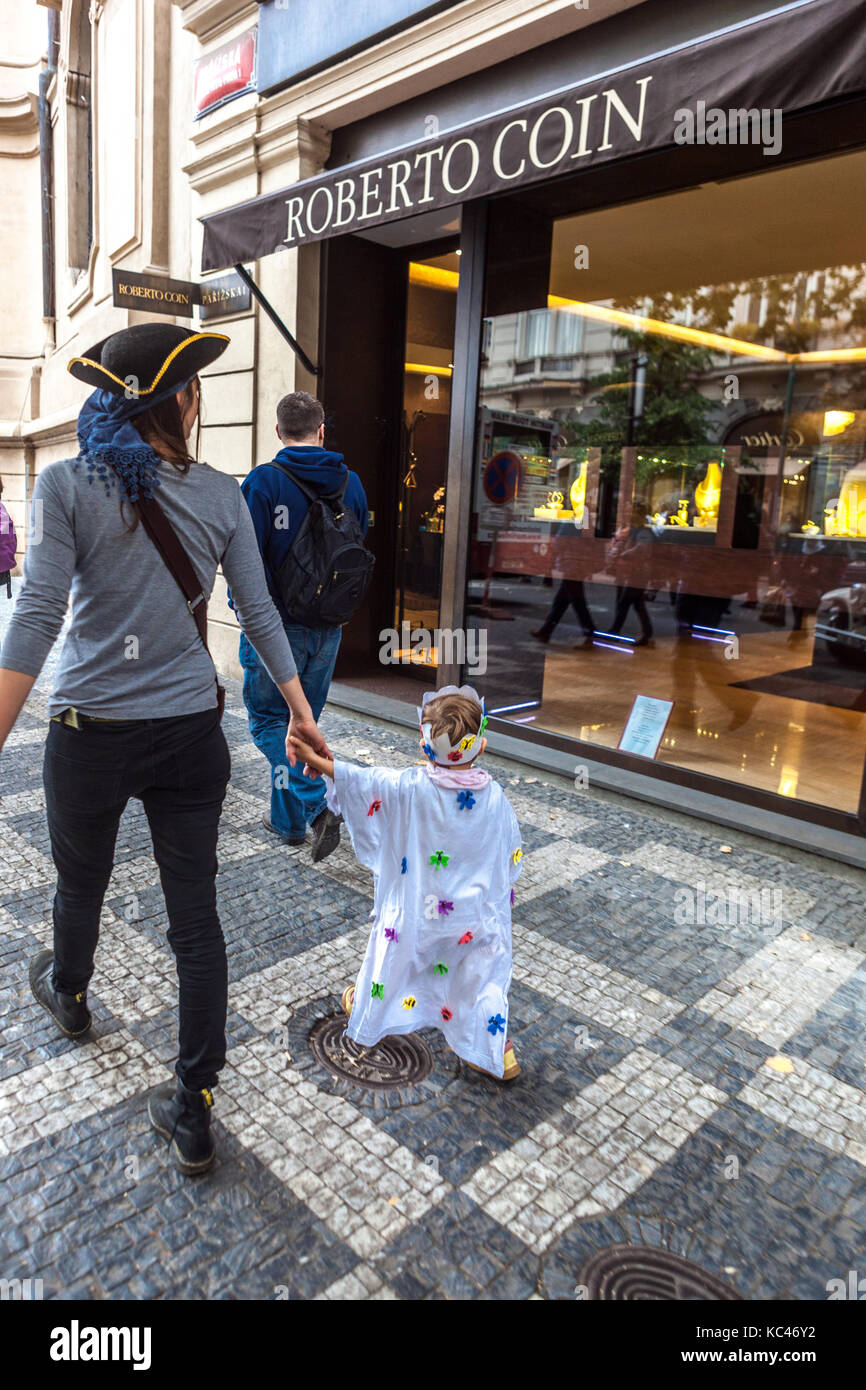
(736, 86)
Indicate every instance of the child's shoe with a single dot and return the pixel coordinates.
(347, 1000)
(512, 1066)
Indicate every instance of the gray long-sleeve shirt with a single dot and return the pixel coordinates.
(133, 649)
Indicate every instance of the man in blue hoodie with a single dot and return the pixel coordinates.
(278, 507)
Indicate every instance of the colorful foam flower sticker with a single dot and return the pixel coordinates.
(496, 1024)
(410, 1001)
(439, 860)
(440, 969)
(445, 907)
(374, 807)
(465, 939)
(391, 934)
(447, 1015)
(428, 752)
(512, 897)
(454, 755)
(378, 991)
(517, 856)
(403, 865)
(483, 725)
(465, 801)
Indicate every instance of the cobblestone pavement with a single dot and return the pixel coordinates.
(650, 1108)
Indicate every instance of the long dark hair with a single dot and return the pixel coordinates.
(161, 426)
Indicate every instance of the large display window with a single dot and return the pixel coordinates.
(669, 494)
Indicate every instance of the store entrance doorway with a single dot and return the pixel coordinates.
(386, 351)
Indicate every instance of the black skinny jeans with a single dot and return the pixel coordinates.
(179, 769)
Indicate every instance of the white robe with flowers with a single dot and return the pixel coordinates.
(444, 861)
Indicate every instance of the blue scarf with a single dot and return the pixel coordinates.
(111, 446)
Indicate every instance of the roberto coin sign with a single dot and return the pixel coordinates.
(217, 298)
(788, 61)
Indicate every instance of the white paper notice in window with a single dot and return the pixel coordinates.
(645, 726)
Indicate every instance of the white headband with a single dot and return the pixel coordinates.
(440, 749)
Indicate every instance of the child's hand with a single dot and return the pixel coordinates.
(315, 763)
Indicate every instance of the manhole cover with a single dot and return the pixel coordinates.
(622, 1272)
(395, 1062)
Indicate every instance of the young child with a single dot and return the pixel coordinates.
(444, 846)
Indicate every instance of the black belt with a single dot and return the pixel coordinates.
(74, 719)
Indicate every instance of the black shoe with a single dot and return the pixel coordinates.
(183, 1118)
(540, 635)
(69, 1011)
(266, 822)
(326, 834)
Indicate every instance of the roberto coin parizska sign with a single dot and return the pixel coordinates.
(132, 289)
(809, 52)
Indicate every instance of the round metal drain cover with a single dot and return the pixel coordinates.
(395, 1062)
(630, 1272)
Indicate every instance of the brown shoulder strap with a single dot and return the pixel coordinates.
(177, 562)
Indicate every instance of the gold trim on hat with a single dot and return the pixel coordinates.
(194, 338)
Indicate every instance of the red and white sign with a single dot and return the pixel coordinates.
(225, 73)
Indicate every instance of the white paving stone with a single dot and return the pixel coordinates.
(785, 1097)
(776, 991)
(366, 1210)
(694, 869)
(77, 1085)
(557, 865)
(607, 1158)
(606, 996)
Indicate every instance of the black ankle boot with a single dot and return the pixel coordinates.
(183, 1118)
(69, 1011)
(326, 835)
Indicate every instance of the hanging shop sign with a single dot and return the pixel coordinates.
(225, 73)
(157, 294)
(810, 52)
(227, 294)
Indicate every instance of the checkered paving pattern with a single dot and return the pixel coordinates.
(650, 1108)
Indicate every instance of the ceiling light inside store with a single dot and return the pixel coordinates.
(717, 342)
(835, 421)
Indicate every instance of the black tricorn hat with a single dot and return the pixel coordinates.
(147, 359)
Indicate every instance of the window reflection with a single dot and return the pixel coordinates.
(670, 488)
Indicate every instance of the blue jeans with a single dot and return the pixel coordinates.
(296, 800)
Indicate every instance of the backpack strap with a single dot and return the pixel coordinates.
(177, 562)
(308, 492)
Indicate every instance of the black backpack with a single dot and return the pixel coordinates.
(325, 575)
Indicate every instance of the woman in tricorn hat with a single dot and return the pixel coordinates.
(135, 710)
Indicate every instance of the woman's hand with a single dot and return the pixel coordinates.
(316, 762)
(305, 731)
(302, 724)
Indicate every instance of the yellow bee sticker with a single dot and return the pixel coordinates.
(466, 743)
(409, 1002)
(517, 856)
